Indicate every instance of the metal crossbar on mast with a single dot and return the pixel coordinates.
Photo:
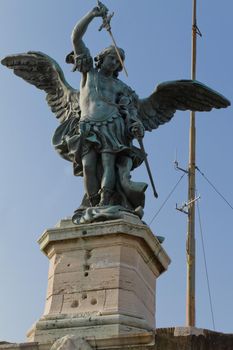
(190, 244)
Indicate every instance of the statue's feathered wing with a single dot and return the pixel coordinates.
(43, 72)
(182, 95)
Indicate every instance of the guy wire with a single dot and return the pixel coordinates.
(205, 262)
(210, 183)
(166, 199)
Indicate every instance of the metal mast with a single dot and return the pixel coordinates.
(190, 244)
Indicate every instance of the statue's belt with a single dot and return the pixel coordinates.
(99, 121)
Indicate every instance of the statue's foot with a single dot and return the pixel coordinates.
(94, 199)
(105, 196)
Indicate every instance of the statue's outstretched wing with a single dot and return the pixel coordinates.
(182, 95)
(43, 72)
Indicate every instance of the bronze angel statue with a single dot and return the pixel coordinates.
(99, 122)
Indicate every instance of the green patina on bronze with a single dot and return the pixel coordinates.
(100, 121)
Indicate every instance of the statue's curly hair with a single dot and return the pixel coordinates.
(100, 58)
(83, 62)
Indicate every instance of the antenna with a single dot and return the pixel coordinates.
(188, 207)
(177, 167)
(190, 243)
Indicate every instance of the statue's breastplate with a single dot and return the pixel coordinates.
(99, 107)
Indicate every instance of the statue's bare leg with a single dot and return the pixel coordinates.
(108, 181)
(91, 184)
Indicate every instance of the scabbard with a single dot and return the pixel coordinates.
(148, 167)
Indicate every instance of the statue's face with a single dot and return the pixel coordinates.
(111, 62)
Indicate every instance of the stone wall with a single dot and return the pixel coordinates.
(164, 340)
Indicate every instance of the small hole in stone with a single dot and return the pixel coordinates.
(68, 265)
(84, 232)
(86, 274)
(86, 267)
(75, 303)
(84, 296)
(88, 254)
(93, 301)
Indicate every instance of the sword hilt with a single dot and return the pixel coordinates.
(106, 22)
(106, 18)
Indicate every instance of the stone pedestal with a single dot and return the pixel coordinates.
(101, 281)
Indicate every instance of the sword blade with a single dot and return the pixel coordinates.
(117, 51)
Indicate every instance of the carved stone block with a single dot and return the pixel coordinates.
(101, 279)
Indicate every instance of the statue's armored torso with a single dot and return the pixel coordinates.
(99, 97)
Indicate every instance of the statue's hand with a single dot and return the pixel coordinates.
(137, 130)
(100, 11)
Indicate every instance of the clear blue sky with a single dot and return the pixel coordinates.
(38, 189)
